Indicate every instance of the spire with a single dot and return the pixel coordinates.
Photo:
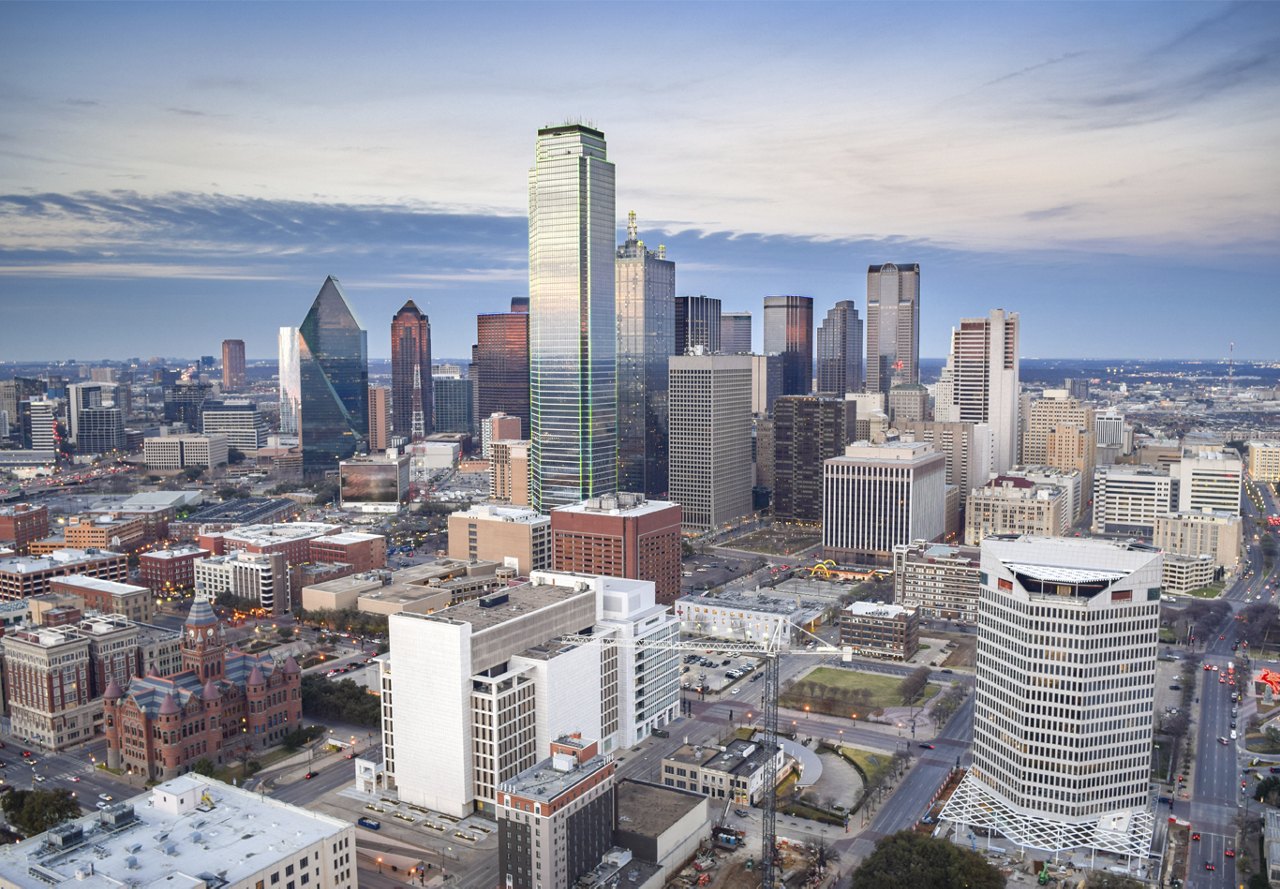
(290, 665)
(256, 677)
(633, 229)
(169, 706)
(210, 692)
(113, 692)
(201, 613)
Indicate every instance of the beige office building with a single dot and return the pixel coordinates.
(501, 533)
(1016, 506)
(509, 472)
(1264, 461)
(1217, 535)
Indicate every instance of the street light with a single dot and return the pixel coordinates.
(379, 864)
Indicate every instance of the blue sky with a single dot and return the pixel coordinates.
(173, 174)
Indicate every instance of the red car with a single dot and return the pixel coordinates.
(309, 775)
(1209, 865)
(1195, 836)
(1230, 853)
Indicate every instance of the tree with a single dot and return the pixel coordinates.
(907, 858)
(912, 684)
(1103, 880)
(1268, 791)
(35, 811)
(234, 456)
(203, 766)
(344, 701)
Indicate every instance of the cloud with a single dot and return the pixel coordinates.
(86, 103)
(188, 112)
(1051, 212)
(1065, 57)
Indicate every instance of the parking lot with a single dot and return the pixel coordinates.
(717, 671)
(705, 572)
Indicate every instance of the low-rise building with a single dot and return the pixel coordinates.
(254, 580)
(211, 834)
(659, 824)
(734, 772)
(169, 571)
(751, 618)
(460, 580)
(22, 577)
(501, 533)
(1218, 535)
(22, 523)
(374, 482)
(181, 451)
(938, 580)
(47, 677)
(1183, 574)
(875, 630)
(233, 514)
(109, 596)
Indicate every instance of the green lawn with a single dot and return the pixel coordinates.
(1207, 592)
(871, 763)
(830, 690)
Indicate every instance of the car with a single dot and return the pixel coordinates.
(1222, 680)
(741, 813)
(350, 756)
(309, 775)
(1195, 837)
(1208, 667)
(26, 753)
(1233, 723)
(39, 778)
(1222, 740)
(102, 805)
(736, 689)
(947, 670)
(1229, 852)
(105, 797)
(926, 746)
(75, 779)
(757, 677)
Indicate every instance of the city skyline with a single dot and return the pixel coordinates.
(1102, 158)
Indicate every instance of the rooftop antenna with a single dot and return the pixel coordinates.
(1231, 368)
(632, 228)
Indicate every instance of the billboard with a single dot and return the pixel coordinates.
(373, 483)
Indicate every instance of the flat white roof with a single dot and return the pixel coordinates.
(352, 537)
(104, 586)
(57, 559)
(267, 534)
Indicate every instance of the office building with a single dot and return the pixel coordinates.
(500, 369)
(1069, 480)
(233, 377)
(966, 447)
(471, 694)
(221, 703)
(1059, 766)
(939, 581)
(646, 307)
(80, 397)
(22, 577)
(555, 819)
(876, 497)
(15, 391)
(239, 844)
(170, 571)
(181, 451)
(735, 772)
(893, 325)
(380, 418)
(105, 530)
(509, 472)
(1210, 478)
(452, 403)
(1264, 461)
(697, 323)
(763, 448)
(572, 318)
(873, 629)
(334, 375)
(710, 447)
(1055, 408)
(134, 603)
(840, 350)
(788, 330)
(981, 377)
(184, 400)
(1218, 535)
(22, 523)
(101, 430)
(620, 535)
(1128, 498)
(253, 580)
(735, 333)
(807, 430)
(515, 535)
(908, 402)
(240, 421)
(1183, 575)
(498, 427)
(374, 482)
(290, 380)
(411, 387)
(1012, 505)
(46, 679)
(232, 514)
(766, 383)
(39, 425)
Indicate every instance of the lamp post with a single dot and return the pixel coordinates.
(379, 864)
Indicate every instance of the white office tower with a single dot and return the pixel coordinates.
(1210, 478)
(475, 694)
(81, 397)
(1065, 696)
(980, 381)
(290, 378)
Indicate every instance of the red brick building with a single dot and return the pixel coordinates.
(22, 523)
(364, 552)
(170, 570)
(620, 535)
(222, 702)
(22, 577)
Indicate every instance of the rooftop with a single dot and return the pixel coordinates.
(877, 609)
(553, 776)
(246, 510)
(188, 832)
(102, 586)
(651, 809)
(896, 451)
(620, 504)
(264, 535)
(347, 537)
(499, 512)
(506, 605)
(55, 560)
(176, 552)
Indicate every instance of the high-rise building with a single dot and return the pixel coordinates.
(501, 363)
(840, 350)
(1127, 499)
(1011, 505)
(411, 389)
(938, 580)
(333, 361)
(876, 497)
(735, 333)
(239, 420)
(573, 333)
(101, 430)
(1217, 535)
(710, 462)
(290, 380)
(1065, 696)
(807, 431)
(766, 383)
(1060, 433)
(452, 402)
(893, 325)
(232, 365)
(697, 324)
(39, 424)
(515, 535)
(646, 285)
(184, 400)
(509, 472)
(1264, 460)
(22, 523)
(498, 427)
(1210, 478)
(620, 535)
(908, 402)
(81, 396)
(379, 418)
(981, 378)
(788, 330)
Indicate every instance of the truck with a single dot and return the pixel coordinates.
(369, 823)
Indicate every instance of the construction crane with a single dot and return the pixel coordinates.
(769, 650)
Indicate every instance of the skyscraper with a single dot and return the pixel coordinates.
(290, 376)
(379, 418)
(840, 350)
(735, 333)
(808, 430)
(893, 325)
(500, 370)
(232, 364)
(333, 365)
(788, 330)
(1065, 695)
(573, 402)
(980, 381)
(81, 397)
(646, 284)
(411, 390)
(452, 400)
(697, 324)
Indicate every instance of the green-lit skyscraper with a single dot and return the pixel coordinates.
(573, 415)
(333, 365)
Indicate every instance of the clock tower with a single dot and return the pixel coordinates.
(204, 651)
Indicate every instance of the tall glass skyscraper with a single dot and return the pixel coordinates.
(290, 381)
(411, 390)
(646, 285)
(500, 370)
(573, 332)
(788, 330)
(333, 365)
(840, 350)
(893, 325)
(697, 324)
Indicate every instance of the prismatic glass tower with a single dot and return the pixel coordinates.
(333, 371)
(572, 318)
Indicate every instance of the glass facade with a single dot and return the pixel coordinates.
(452, 404)
(893, 325)
(501, 366)
(572, 318)
(697, 324)
(840, 350)
(788, 330)
(735, 333)
(290, 381)
(333, 365)
(646, 284)
(411, 389)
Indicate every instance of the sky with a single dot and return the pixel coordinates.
(173, 174)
